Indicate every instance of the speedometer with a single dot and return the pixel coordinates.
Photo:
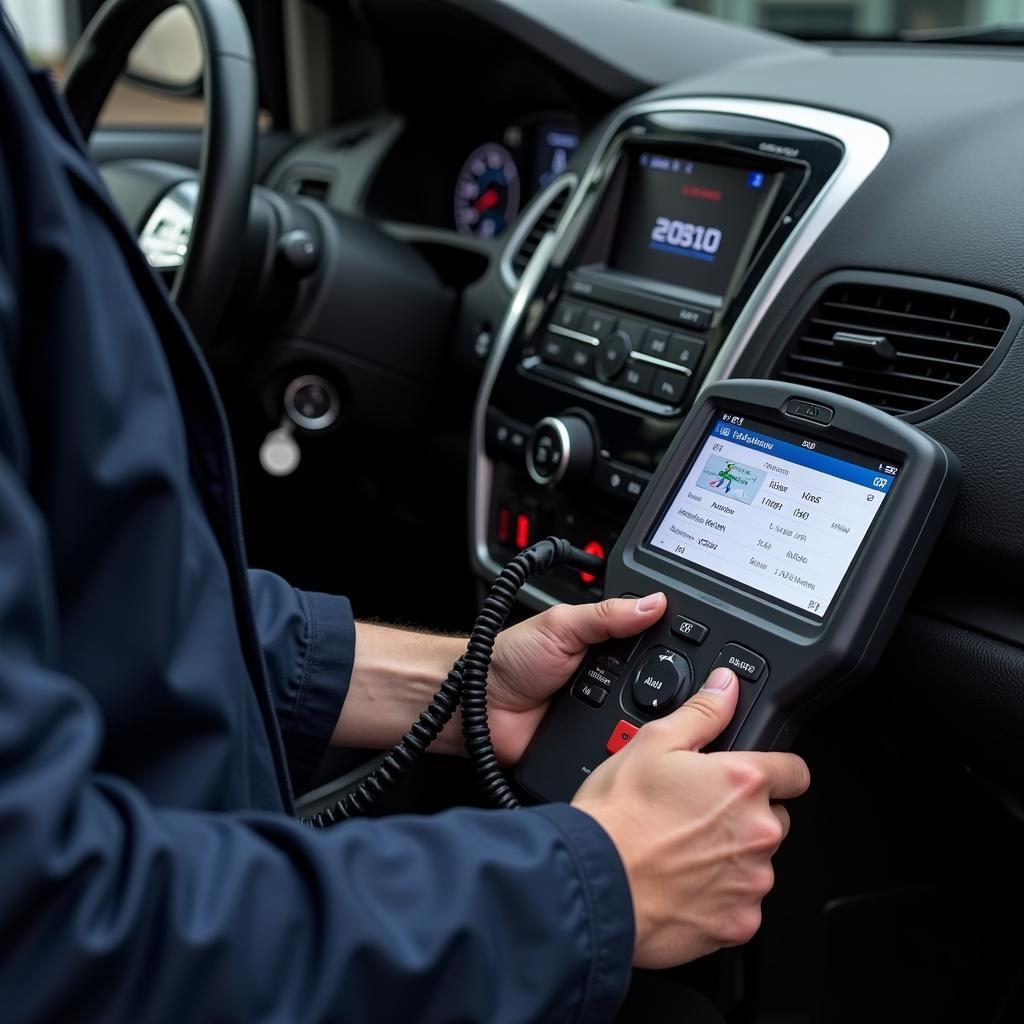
(487, 191)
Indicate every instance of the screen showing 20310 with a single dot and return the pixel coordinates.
(776, 512)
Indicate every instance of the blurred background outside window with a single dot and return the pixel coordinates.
(852, 19)
(169, 50)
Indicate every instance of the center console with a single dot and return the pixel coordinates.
(682, 230)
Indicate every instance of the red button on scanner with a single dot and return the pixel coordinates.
(621, 735)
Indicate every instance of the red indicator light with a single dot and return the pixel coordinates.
(504, 525)
(592, 547)
(522, 531)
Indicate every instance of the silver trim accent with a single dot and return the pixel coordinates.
(568, 332)
(566, 442)
(533, 213)
(864, 145)
(164, 240)
(312, 422)
(662, 364)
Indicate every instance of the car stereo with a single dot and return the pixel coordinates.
(787, 526)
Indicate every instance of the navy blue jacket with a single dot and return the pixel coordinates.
(158, 700)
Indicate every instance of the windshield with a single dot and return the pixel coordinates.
(852, 19)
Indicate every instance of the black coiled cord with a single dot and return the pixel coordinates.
(465, 683)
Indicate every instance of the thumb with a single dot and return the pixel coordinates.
(586, 624)
(706, 713)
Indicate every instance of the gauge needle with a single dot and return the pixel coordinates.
(487, 200)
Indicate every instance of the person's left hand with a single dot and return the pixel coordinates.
(534, 658)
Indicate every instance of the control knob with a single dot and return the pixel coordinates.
(561, 448)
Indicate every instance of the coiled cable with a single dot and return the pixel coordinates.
(466, 683)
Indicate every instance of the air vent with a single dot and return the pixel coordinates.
(897, 348)
(309, 186)
(537, 221)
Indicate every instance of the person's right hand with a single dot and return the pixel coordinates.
(696, 832)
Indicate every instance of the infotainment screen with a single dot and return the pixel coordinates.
(689, 223)
(773, 511)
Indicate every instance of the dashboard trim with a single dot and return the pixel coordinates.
(864, 146)
(533, 213)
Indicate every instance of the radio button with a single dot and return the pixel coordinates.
(669, 387)
(684, 351)
(656, 343)
(596, 324)
(612, 355)
(638, 378)
(688, 629)
(694, 317)
(581, 359)
(555, 349)
(589, 693)
(567, 314)
(743, 661)
(657, 684)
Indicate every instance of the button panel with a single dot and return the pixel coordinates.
(627, 354)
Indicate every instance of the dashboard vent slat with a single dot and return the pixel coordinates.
(939, 340)
(538, 220)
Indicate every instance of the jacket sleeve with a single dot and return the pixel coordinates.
(308, 643)
(113, 909)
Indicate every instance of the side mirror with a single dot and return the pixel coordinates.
(169, 56)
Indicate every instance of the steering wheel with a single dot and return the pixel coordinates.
(202, 284)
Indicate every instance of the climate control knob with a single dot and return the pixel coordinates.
(561, 448)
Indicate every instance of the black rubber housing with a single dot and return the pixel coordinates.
(808, 660)
(203, 285)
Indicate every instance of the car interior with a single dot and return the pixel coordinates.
(423, 252)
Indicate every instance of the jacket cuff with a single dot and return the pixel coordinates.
(323, 683)
(610, 910)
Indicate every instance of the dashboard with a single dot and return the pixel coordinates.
(633, 206)
(475, 181)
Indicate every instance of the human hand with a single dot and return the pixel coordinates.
(534, 658)
(696, 832)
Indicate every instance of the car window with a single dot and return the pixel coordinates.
(48, 35)
(848, 19)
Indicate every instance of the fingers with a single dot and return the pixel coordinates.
(786, 775)
(706, 713)
(581, 625)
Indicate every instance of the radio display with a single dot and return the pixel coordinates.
(689, 223)
(775, 512)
